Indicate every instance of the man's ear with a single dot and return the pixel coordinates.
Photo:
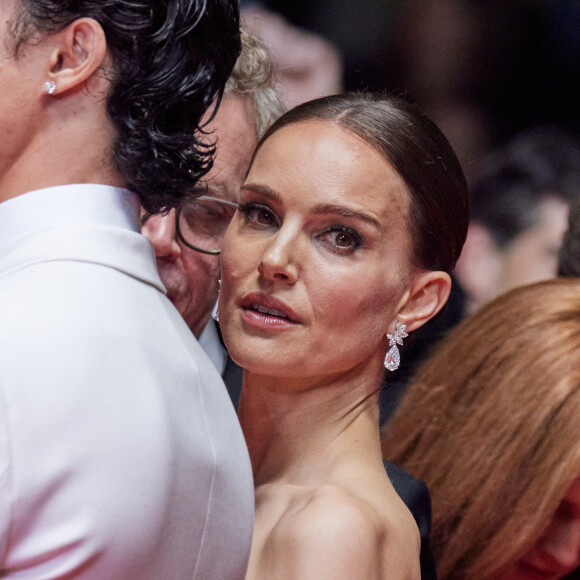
(76, 52)
(426, 297)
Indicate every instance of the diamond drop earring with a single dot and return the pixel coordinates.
(50, 87)
(393, 358)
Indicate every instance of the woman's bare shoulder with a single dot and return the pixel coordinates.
(330, 532)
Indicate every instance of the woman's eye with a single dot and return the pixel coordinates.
(344, 240)
(259, 214)
(341, 239)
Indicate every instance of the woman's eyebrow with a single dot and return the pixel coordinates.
(324, 208)
(262, 190)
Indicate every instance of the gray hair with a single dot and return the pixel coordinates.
(252, 78)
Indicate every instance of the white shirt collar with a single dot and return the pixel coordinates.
(209, 340)
(93, 204)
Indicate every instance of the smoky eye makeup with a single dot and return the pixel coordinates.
(341, 239)
(259, 214)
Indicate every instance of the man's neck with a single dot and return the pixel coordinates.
(70, 146)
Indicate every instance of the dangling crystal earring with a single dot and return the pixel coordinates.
(393, 358)
(50, 87)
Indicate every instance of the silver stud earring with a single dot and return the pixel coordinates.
(50, 87)
(393, 358)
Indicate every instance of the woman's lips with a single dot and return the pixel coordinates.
(263, 311)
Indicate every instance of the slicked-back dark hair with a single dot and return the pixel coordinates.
(170, 61)
(417, 150)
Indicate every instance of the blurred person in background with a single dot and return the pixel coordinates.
(306, 65)
(491, 423)
(519, 212)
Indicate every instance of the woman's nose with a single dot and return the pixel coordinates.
(278, 261)
(160, 229)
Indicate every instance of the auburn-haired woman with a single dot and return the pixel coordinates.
(491, 423)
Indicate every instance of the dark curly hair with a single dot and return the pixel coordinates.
(170, 61)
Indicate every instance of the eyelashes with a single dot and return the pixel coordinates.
(343, 238)
(339, 238)
(259, 214)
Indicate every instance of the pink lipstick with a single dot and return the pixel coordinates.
(267, 312)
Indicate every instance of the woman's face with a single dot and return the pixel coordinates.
(557, 552)
(316, 262)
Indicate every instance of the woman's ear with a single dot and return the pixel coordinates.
(76, 52)
(426, 297)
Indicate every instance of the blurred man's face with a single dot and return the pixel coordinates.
(485, 270)
(191, 277)
(533, 255)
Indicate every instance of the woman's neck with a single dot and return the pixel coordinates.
(298, 433)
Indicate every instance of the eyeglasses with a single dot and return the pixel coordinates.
(201, 223)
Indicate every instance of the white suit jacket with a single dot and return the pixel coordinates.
(120, 453)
